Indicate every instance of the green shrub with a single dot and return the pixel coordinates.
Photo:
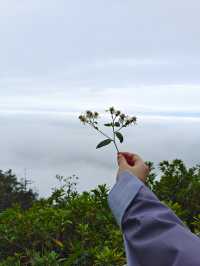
(73, 229)
(76, 230)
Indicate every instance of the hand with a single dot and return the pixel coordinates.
(132, 163)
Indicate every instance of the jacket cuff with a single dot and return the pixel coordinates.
(123, 193)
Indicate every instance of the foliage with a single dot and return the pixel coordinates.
(73, 229)
(12, 191)
(66, 229)
(33, 258)
(196, 224)
(178, 186)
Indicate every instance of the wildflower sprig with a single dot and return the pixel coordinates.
(118, 121)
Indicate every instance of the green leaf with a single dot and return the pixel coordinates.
(119, 136)
(104, 143)
(108, 124)
(117, 124)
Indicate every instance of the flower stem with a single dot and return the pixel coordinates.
(100, 131)
(116, 146)
(113, 128)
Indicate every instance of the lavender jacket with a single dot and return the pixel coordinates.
(153, 234)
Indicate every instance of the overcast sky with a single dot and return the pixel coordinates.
(59, 58)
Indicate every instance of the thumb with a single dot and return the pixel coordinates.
(122, 161)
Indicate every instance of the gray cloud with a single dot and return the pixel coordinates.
(46, 37)
(47, 146)
(59, 58)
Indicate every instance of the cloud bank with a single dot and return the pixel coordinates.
(61, 58)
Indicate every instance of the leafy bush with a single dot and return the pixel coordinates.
(180, 186)
(12, 191)
(33, 258)
(70, 228)
(197, 225)
(73, 229)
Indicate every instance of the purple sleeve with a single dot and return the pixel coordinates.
(153, 234)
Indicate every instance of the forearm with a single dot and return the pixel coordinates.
(122, 194)
(153, 234)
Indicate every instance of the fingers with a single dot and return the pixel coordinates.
(127, 154)
(122, 161)
(135, 157)
(134, 164)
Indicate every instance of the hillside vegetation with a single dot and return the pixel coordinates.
(71, 228)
